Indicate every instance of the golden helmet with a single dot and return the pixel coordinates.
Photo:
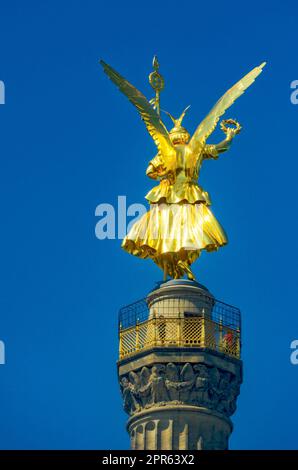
(178, 133)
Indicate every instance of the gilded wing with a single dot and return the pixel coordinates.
(154, 124)
(208, 125)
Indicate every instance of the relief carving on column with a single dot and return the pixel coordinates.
(173, 384)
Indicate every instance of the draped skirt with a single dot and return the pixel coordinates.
(174, 231)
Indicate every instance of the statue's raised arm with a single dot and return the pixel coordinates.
(208, 125)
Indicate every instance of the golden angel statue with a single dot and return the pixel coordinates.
(179, 224)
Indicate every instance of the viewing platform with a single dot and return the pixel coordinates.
(191, 318)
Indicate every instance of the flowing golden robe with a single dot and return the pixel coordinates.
(179, 223)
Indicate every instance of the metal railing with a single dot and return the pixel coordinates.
(217, 328)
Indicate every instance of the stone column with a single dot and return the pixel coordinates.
(179, 427)
(179, 397)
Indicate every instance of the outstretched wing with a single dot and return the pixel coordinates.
(208, 125)
(154, 125)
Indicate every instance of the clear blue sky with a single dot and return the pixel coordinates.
(70, 141)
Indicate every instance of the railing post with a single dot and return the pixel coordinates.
(203, 334)
(238, 344)
(179, 338)
(137, 335)
(154, 328)
(120, 341)
(220, 335)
